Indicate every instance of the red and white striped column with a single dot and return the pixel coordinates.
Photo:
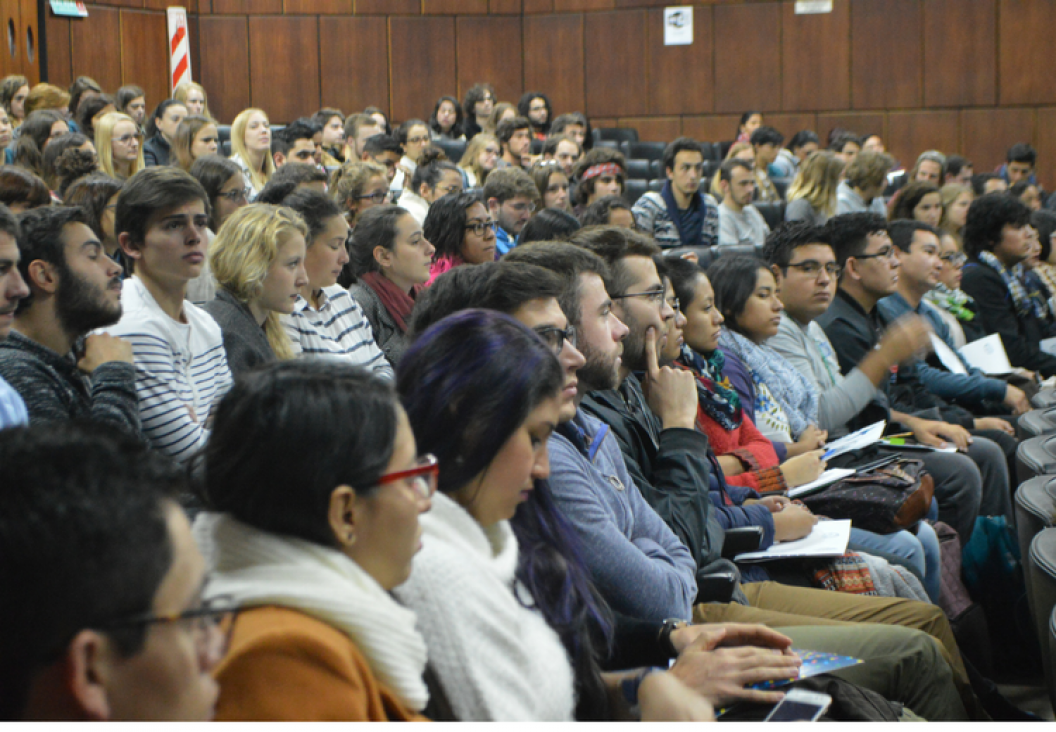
(179, 47)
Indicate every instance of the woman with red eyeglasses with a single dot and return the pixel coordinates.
(314, 487)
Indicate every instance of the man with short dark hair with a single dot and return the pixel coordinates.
(12, 289)
(681, 214)
(1019, 164)
(515, 138)
(995, 240)
(383, 150)
(291, 177)
(510, 195)
(740, 222)
(298, 142)
(853, 325)
(101, 617)
(74, 289)
(917, 247)
(959, 170)
(766, 143)
(181, 367)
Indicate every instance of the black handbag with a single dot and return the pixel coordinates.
(885, 500)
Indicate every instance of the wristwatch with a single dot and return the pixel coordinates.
(669, 626)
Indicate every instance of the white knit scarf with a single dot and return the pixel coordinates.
(259, 568)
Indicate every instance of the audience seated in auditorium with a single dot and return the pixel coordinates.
(680, 214)
(510, 196)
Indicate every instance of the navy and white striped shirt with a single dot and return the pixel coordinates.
(337, 329)
(181, 369)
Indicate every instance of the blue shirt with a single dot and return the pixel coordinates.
(12, 409)
(503, 241)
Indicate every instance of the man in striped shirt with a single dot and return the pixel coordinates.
(181, 366)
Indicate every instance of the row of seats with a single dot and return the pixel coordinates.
(1035, 506)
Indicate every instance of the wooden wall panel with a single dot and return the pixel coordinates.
(60, 62)
(567, 6)
(1045, 142)
(815, 56)
(887, 61)
(911, 133)
(1026, 36)
(752, 79)
(986, 134)
(489, 48)
(714, 128)
(246, 7)
(318, 7)
(538, 6)
(656, 129)
(691, 66)
(387, 7)
(224, 44)
(92, 57)
(29, 40)
(355, 72)
(455, 7)
(144, 53)
(553, 44)
(415, 84)
(860, 123)
(289, 88)
(615, 64)
(499, 7)
(959, 66)
(791, 123)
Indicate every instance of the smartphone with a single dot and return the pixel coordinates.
(799, 706)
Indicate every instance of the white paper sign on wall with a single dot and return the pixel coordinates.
(812, 7)
(678, 26)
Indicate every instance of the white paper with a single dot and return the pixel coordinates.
(947, 356)
(1048, 345)
(855, 441)
(827, 539)
(678, 26)
(813, 7)
(988, 355)
(829, 477)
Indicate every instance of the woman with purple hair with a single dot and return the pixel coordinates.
(513, 625)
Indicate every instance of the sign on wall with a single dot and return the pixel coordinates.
(678, 26)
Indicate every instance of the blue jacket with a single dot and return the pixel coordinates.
(970, 389)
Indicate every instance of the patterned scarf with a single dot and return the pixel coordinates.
(718, 398)
(1047, 274)
(955, 302)
(396, 301)
(1011, 277)
(789, 388)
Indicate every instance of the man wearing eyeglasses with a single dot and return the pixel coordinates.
(510, 196)
(101, 617)
(853, 325)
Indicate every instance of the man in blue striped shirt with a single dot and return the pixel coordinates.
(12, 289)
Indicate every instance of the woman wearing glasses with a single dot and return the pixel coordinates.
(957, 308)
(358, 186)
(461, 229)
(311, 556)
(226, 188)
(119, 144)
(391, 260)
(413, 136)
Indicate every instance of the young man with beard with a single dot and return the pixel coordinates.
(178, 350)
(12, 289)
(74, 289)
(605, 486)
(680, 214)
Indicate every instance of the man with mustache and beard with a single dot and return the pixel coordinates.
(60, 371)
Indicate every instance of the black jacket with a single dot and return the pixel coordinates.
(1020, 334)
(670, 468)
(156, 151)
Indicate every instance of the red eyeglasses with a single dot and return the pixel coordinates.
(423, 476)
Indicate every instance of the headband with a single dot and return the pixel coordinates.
(595, 170)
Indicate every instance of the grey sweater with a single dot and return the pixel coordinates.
(244, 340)
(389, 337)
(54, 389)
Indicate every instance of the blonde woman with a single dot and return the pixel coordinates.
(193, 96)
(258, 261)
(812, 195)
(358, 186)
(956, 199)
(251, 143)
(196, 136)
(119, 144)
(481, 157)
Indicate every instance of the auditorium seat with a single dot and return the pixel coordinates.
(1037, 422)
(633, 188)
(1042, 567)
(1044, 398)
(640, 169)
(774, 213)
(453, 149)
(1035, 511)
(1036, 456)
(615, 134)
(645, 150)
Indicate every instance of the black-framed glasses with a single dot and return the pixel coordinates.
(888, 252)
(556, 338)
(424, 476)
(377, 197)
(479, 227)
(213, 622)
(656, 296)
(237, 194)
(813, 268)
(954, 259)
